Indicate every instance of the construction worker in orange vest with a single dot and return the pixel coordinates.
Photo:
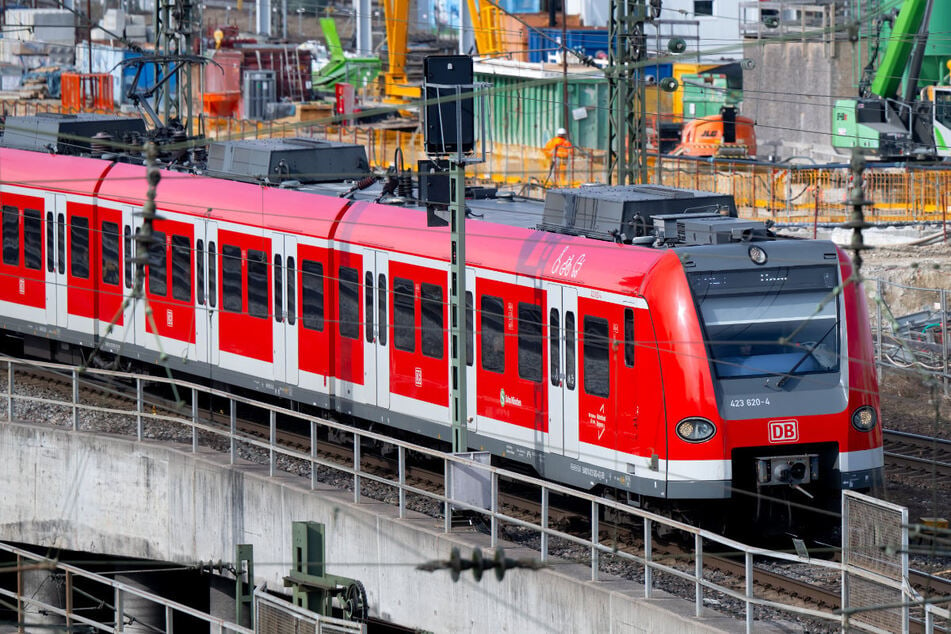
(559, 150)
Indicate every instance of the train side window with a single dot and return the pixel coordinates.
(349, 302)
(278, 288)
(470, 329)
(368, 298)
(32, 239)
(404, 315)
(127, 243)
(110, 253)
(212, 276)
(597, 370)
(257, 284)
(291, 291)
(61, 243)
(50, 242)
(530, 341)
(629, 337)
(78, 247)
(431, 320)
(569, 350)
(381, 307)
(312, 292)
(158, 265)
(493, 333)
(554, 346)
(11, 235)
(182, 268)
(200, 270)
(231, 278)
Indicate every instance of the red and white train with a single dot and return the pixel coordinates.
(703, 358)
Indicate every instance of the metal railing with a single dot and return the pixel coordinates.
(77, 602)
(229, 438)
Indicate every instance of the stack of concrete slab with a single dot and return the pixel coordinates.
(29, 55)
(55, 26)
(117, 23)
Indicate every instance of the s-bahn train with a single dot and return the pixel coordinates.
(640, 339)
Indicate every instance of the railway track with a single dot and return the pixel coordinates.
(920, 457)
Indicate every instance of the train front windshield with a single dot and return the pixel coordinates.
(769, 321)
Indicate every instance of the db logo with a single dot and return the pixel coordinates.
(783, 431)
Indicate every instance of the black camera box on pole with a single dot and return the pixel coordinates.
(435, 191)
(443, 109)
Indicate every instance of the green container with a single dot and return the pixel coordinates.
(527, 108)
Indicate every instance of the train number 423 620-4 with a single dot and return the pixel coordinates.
(748, 402)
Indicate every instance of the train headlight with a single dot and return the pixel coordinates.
(864, 418)
(757, 255)
(695, 429)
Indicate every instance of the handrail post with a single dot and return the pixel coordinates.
(698, 574)
(447, 475)
(749, 591)
(194, 420)
(234, 430)
(494, 523)
(75, 399)
(313, 455)
(401, 459)
(10, 391)
(648, 558)
(356, 467)
(595, 532)
(544, 535)
(139, 408)
(272, 457)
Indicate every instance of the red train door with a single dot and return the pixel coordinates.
(562, 370)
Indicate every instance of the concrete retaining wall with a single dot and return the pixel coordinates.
(116, 496)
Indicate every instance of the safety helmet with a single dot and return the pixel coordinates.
(561, 132)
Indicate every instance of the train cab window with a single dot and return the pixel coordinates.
(570, 350)
(257, 284)
(404, 315)
(110, 253)
(50, 243)
(554, 347)
(231, 278)
(597, 371)
(200, 270)
(530, 341)
(312, 294)
(291, 291)
(431, 320)
(629, 337)
(278, 288)
(368, 298)
(182, 268)
(11, 235)
(381, 306)
(158, 265)
(470, 329)
(349, 302)
(212, 276)
(127, 242)
(32, 239)
(78, 247)
(61, 243)
(493, 333)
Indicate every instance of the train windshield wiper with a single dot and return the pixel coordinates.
(789, 374)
